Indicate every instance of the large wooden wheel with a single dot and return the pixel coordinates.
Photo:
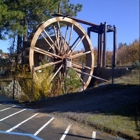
(64, 44)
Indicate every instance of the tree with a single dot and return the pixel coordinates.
(1, 51)
(19, 17)
(9, 16)
(133, 51)
(120, 45)
(109, 58)
(128, 54)
(72, 82)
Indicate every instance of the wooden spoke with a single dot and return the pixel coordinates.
(66, 32)
(36, 49)
(66, 38)
(60, 39)
(59, 29)
(56, 73)
(74, 42)
(79, 66)
(57, 39)
(79, 76)
(48, 42)
(58, 35)
(47, 65)
(52, 40)
(70, 34)
(49, 37)
(80, 54)
(78, 70)
(96, 77)
(77, 44)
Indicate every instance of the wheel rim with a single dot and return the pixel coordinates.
(65, 43)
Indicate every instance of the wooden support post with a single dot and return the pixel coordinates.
(114, 47)
(104, 45)
(14, 87)
(98, 59)
(114, 54)
(99, 64)
(32, 85)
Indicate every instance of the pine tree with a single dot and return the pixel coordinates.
(18, 17)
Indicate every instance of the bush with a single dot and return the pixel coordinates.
(68, 84)
(136, 65)
(37, 88)
(41, 87)
(72, 81)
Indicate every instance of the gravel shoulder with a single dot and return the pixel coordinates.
(111, 109)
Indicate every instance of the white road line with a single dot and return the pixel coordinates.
(12, 114)
(11, 129)
(93, 135)
(7, 108)
(38, 131)
(66, 131)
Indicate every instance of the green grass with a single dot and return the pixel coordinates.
(130, 79)
(125, 120)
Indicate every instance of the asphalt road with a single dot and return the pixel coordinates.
(20, 123)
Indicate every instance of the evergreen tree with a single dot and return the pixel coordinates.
(18, 17)
(1, 51)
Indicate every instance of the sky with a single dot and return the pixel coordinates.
(124, 14)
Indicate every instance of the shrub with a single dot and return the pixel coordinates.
(72, 81)
(37, 88)
(136, 65)
(68, 84)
